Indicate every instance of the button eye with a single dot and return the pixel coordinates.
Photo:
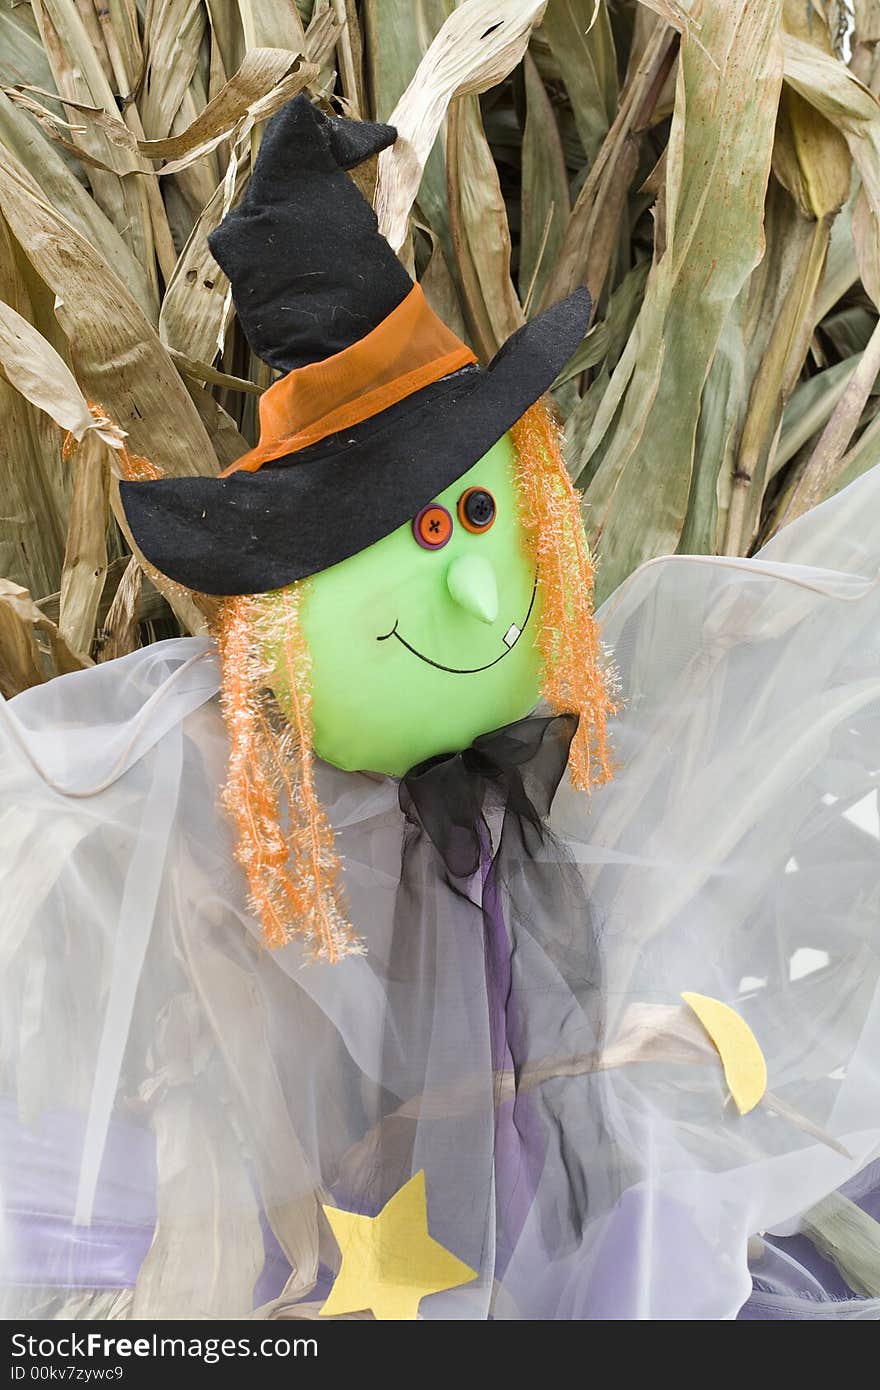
(432, 527)
(476, 510)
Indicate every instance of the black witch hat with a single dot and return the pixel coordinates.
(381, 407)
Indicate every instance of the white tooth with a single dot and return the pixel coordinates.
(511, 635)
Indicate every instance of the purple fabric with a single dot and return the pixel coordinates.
(519, 1143)
(39, 1169)
(649, 1236)
(51, 1252)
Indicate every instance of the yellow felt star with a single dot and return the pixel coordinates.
(390, 1261)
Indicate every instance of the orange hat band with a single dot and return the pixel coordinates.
(409, 350)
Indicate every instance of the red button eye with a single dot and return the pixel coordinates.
(432, 527)
(476, 510)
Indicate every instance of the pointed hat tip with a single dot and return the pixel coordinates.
(352, 142)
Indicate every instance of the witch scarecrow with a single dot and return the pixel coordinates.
(339, 980)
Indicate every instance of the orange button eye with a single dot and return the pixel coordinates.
(432, 527)
(476, 510)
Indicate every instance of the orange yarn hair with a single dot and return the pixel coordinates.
(574, 678)
(133, 467)
(293, 877)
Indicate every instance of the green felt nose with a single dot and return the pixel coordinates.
(471, 583)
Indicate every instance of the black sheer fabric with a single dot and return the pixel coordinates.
(478, 858)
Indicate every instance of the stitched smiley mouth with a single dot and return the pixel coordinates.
(511, 637)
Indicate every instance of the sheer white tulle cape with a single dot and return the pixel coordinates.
(166, 1079)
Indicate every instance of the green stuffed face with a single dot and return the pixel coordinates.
(417, 651)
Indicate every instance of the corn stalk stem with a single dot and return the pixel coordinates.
(827, 460)
(773, 383)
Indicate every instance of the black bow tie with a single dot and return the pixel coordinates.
(522, 764)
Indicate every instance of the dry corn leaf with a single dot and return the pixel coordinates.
(67, 195)
(850, 1237)
(227, 34)
(439, 287)
(34, 483)
(262, 71)
(119, 632)
(606, 339)
(32, 515)
(350, 57)
(116, 354)
(866, 21)
(841, 270)
(321, 36)
(809, 408)
(226, 439)
(267, 79)
(197, 182)
(79, 76)
(864, 454)
(207, 1249)
(397, 35)
(545, 197)
(271, 24)
(326, 80)
(477, 46)
(34, 368)
(866, 245)
(118, 25)
(32, 649)
(678, 16)
(124, 68)
(85, 559)
(717, 170)
(22, 56)
(173, 33)
(825, 464)
(200, 371)
(61, 131)
(579, 33)
(606, 187)
(480, 235)
(197, 302)
(835, 92)
(92, 25)
(774, 323)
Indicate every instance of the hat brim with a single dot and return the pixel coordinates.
(253, 532)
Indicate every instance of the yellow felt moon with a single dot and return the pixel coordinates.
(745, 1070)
